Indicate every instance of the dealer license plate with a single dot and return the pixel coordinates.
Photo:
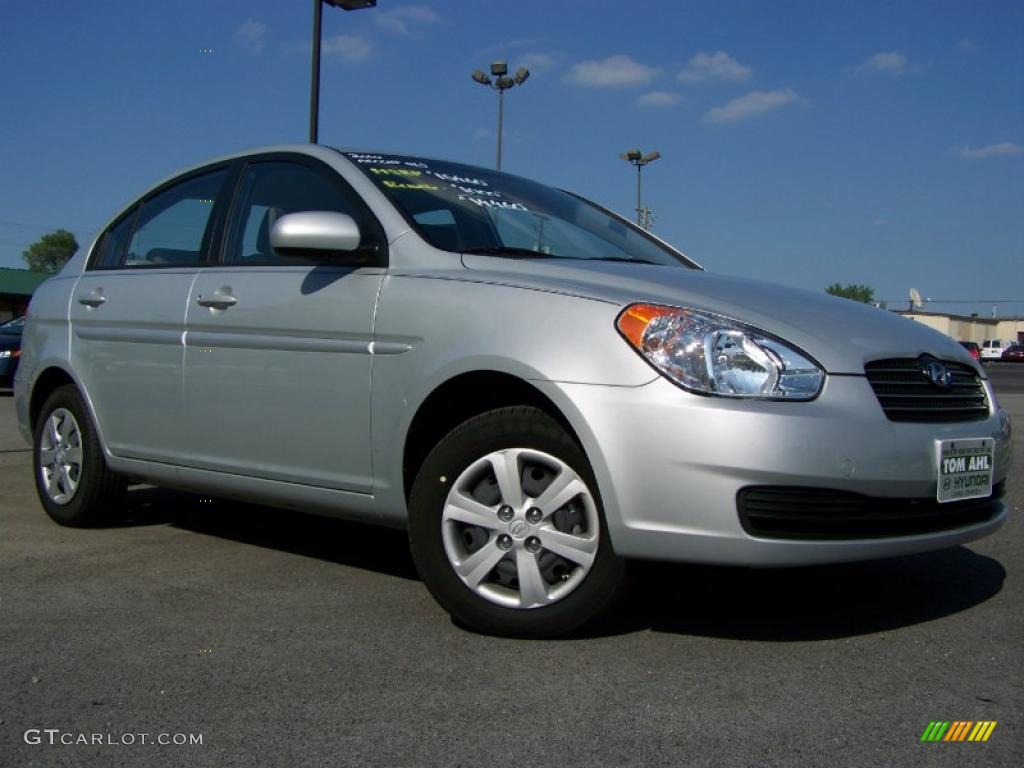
(965, 468)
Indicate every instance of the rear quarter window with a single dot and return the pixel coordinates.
(109, 251)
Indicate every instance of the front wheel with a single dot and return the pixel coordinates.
(507, 529)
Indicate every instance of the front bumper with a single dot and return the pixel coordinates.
(670, 466)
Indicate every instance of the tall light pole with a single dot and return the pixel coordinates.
(639, 159)
(501, 83)
(314, 89)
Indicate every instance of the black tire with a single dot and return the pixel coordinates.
(518, 427)
(99, 495)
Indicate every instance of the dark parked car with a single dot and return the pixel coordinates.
(10, 350)
(973, 348)
(1013, 353)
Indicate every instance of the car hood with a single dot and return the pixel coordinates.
(10, 341)
(842, 335)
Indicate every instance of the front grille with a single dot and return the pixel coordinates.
(907, 394)
(780, 512)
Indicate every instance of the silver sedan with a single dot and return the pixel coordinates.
(535, 388)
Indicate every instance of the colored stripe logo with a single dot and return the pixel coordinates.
(958, 730)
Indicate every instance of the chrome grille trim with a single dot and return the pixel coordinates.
(906, 393)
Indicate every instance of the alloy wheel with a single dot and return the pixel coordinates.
(60, 456)
(520, 528)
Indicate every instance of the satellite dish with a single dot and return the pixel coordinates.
(915, 299)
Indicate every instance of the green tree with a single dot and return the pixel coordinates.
(864, 293)
(50, 252)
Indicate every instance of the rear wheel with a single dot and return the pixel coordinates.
(507, 529)
(72, 479)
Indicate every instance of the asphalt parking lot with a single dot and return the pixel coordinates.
(289, 640)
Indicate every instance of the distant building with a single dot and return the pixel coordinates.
(16, 289)
(969, 327)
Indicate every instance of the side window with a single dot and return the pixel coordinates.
(112, 247)
(271, 189)
(172, 225)
(440, 228)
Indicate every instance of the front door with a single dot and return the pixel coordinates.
(277, 356)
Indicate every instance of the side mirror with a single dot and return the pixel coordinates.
(316, 234)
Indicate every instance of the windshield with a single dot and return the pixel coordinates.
(15, 326)
(466, 209)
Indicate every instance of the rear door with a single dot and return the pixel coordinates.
(128, 312)
(277, 357)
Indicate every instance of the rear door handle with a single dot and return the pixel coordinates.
(216, 300)
(92, 299)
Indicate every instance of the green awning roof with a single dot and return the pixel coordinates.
(20, 282)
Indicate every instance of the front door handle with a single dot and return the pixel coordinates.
(216, 300)
(92, 299)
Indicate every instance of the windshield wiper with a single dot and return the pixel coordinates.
(507, 250)
(529, 253)
(620, 258)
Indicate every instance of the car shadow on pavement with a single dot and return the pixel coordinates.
(810, 603)
(372, 547)
(784, 605)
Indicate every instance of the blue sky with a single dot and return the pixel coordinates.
(802, 142)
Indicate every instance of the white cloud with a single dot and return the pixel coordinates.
(502, 48)
(250, 35)
(892, 63)
(347, 47)
(751, 105)
(1005, 149)
(708, 67)
(404, 18)
(658, 99)
(967, 45)
(538, 62)
(613, 72)
(522, 42)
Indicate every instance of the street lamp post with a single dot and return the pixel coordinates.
(639, 159)
(501, 83)
(314, 90)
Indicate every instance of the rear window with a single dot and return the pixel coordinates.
(167, 229)
(13, 327)
(170, 227)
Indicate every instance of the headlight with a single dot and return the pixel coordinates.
(5, 353)
(713, 355)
